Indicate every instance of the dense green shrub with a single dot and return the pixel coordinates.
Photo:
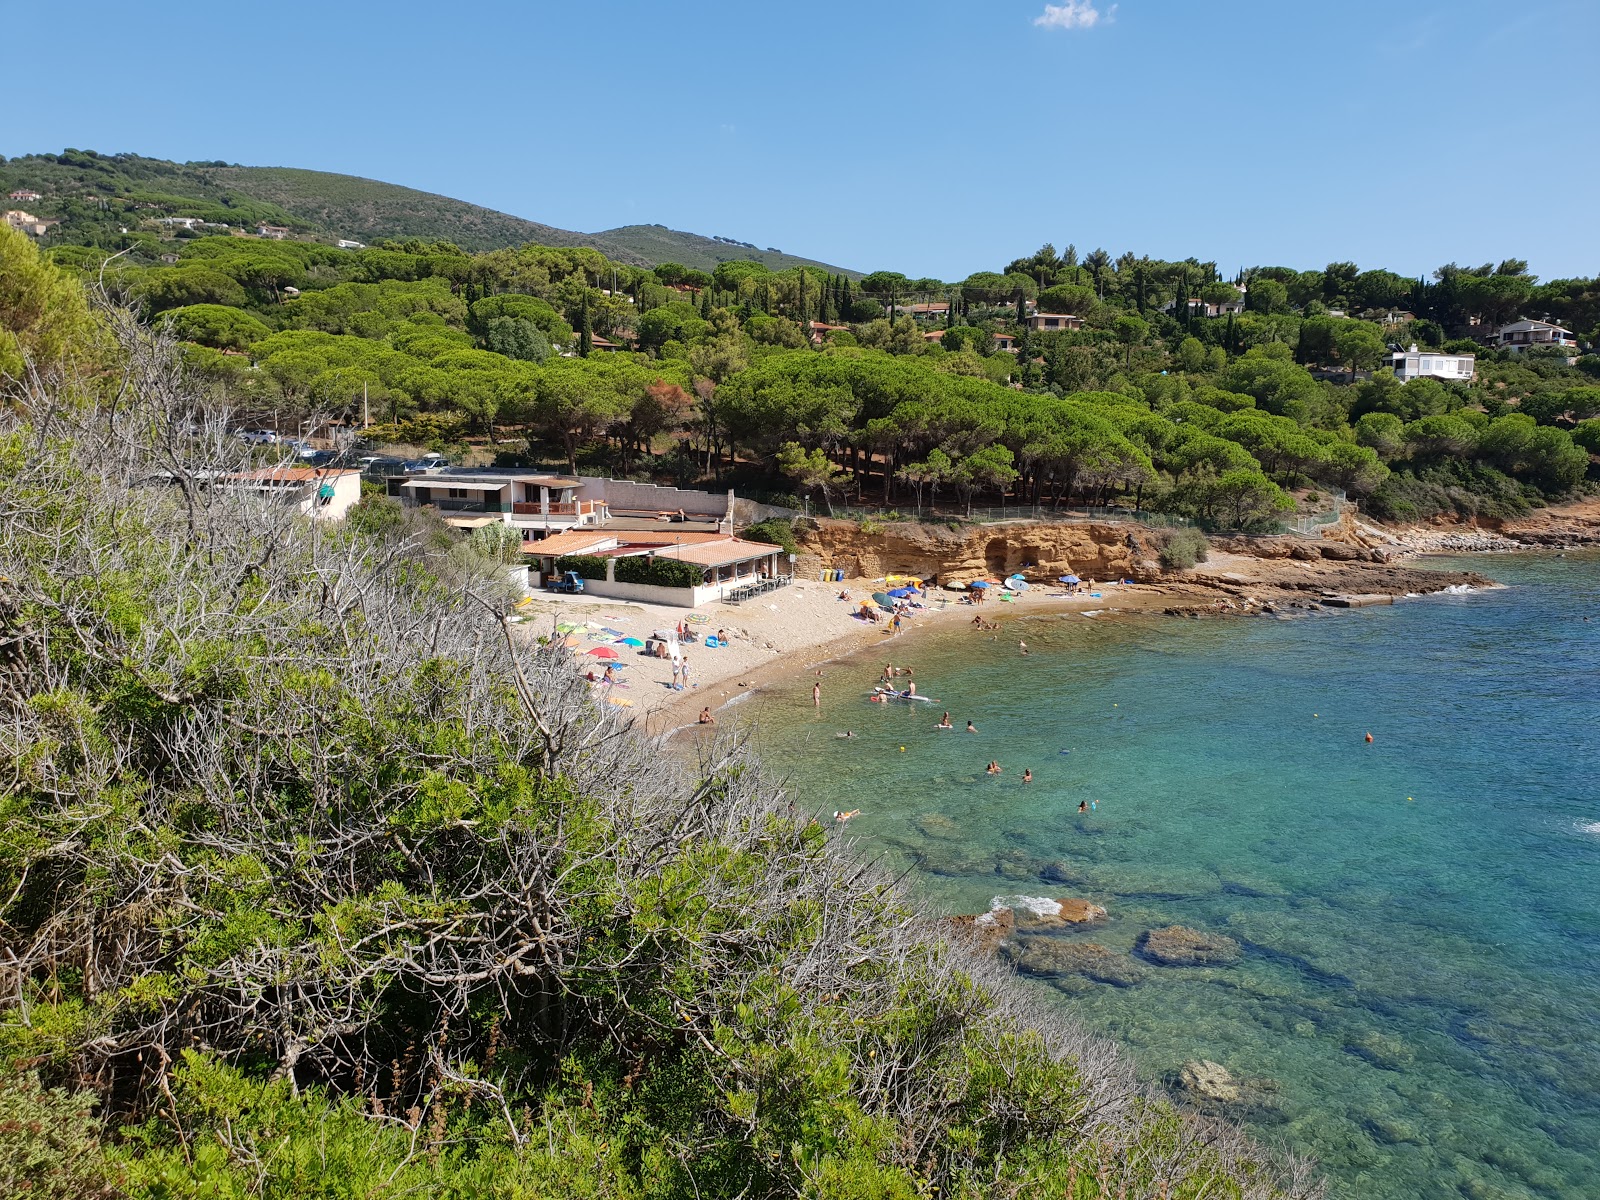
(774, 531)
(49, 1143)
(658, 571)
(1181, 549)
(590, 566)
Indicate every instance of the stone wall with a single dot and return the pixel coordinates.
(653, 498)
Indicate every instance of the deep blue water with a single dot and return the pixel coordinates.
(1420, 916)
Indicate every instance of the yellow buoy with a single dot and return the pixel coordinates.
(902, 749)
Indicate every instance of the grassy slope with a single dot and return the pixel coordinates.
(660, 244)
(365, 209)
(329, 205)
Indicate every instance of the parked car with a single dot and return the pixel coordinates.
(257, 437)
(431, 461)
(567, 581)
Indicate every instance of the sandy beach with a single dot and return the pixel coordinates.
(799, 629)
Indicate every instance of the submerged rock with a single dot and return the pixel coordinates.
(1211, 1082)
(1381, 1050)
(1176, 946)
(937, 825)
(1053, 958)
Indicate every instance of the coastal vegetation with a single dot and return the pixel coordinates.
(884, 390)
(318, 879)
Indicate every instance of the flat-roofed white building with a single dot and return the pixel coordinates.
(1433, 364)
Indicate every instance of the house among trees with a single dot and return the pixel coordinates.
(924, 312)
(1433, 364)
(820, 331)
(1054, 321)
(26, 222)
(276, 232)
(25, 194)
(535, 504)
(1526, 334)
(1005, 341)
(320, 493)
(350, 244)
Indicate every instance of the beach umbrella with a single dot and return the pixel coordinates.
(570, 643)
(884, 599)
(570, 627)
(630, 641)
(1068, 579)
(603, 652)
(1017, 584)
(978, 583)
(902, 593)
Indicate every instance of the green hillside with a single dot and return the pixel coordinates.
(105, 199)
(658, 244)
(367, 209)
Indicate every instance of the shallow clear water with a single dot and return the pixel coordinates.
(1419, 915)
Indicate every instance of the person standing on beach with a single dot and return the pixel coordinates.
(816, 695)
(685, 670)
(677, 671)
(895, 625)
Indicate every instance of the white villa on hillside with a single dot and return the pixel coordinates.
(1434, 364)
(534, 504)
(1525, 334)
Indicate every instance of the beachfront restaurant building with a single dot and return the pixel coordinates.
(535, 505)
(730, 568)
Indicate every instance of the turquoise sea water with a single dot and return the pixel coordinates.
(1420, 916)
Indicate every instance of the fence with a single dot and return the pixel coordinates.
(1312, 522)
(989, 515)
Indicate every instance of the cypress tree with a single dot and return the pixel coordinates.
(804, 317)
(1022, 309)
(705, 303)
(585, 334)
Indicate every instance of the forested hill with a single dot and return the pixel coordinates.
(658, 244)
(95, 197)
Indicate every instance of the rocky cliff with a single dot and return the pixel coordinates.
(1038, 550)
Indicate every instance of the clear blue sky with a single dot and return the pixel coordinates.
(935, 137)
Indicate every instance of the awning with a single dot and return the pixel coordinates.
(434, 481)
(471, 522)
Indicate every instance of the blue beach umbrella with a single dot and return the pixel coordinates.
(977, 583)
(1068, 579)
(902, 593)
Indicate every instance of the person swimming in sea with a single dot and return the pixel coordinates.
(944, 722)
(1027, 775)
(994, 768)
(848, 733)
(842, 817)
(1083, 806)
(971, 728)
